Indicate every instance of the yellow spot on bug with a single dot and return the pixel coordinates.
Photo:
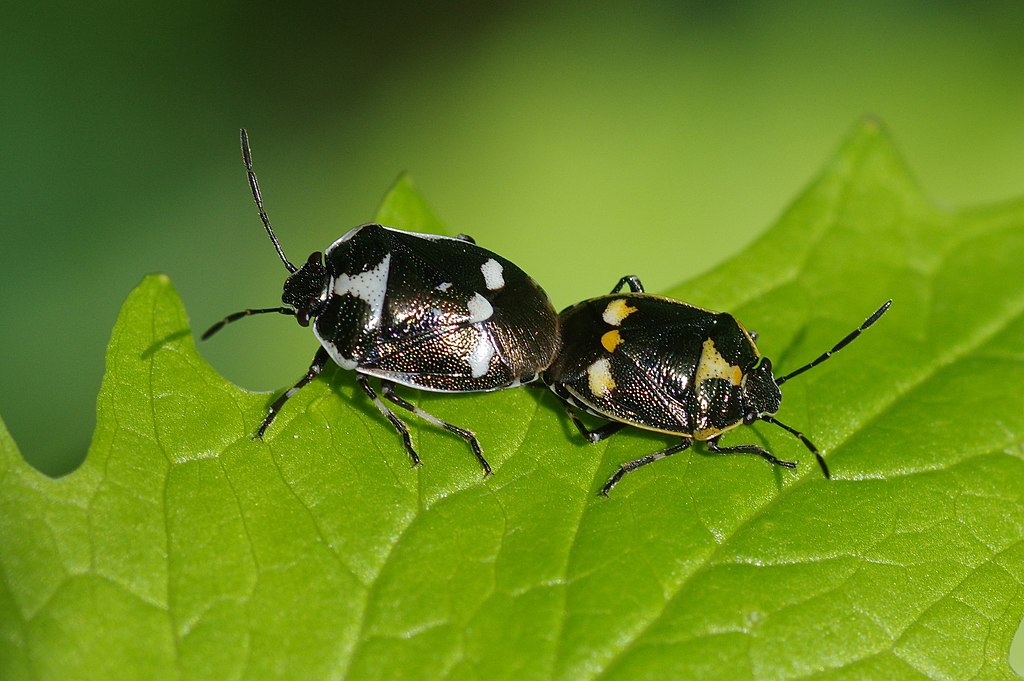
(616, 311)
(611, 340)
(713, 365)
(706, 434)
(599, 377)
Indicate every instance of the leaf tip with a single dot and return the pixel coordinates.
(404, 207)
(870, 130)
(870, 154)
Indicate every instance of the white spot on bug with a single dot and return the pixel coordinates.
(370, 286)
(599, 377)
(443, 287)
(616, 311)
(344, 362)
(480, 356)
(492, 271)
(480, 309)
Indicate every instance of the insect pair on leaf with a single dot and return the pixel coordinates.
(443, 314)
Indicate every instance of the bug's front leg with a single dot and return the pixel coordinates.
(713, 447)
(319, 362)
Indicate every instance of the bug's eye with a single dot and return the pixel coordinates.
(749, 418)
(303, 317)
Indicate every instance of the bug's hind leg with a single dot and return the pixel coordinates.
(631, 466)
(319, 361)
(597, 434)
(402, 429)
(748, 449)
(388, 389)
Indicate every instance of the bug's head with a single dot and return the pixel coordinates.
(760, 391)
(306, 289)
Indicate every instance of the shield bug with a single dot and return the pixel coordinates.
(659, 364)
(426, 311)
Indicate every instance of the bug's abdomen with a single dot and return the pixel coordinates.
(454, 347)
(611, 368)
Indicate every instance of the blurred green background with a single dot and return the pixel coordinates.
(581, 142)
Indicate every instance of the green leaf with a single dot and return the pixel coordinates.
(405, 208)
(184, 549)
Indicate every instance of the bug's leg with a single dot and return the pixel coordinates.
(630, 466)
(319, 361)
(388, 389)
(597, 434)
(803, 438)
(748, 449)
(632, 281)
(402, 429)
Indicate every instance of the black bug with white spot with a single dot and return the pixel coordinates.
(430, 312)
(659, 364)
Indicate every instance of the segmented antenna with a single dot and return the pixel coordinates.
(255, 186)
(838, 346)
(242, 315)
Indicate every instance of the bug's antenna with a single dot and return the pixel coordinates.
(803, 438)
(838, 346)
(241, 315)
(255, 186)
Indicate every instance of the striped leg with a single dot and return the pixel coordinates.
(390, 416)
(388, 389)
(319, 362)
(748, 449)
(630, 466)
(597, 434)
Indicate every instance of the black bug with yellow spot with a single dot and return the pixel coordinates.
(659, 364)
